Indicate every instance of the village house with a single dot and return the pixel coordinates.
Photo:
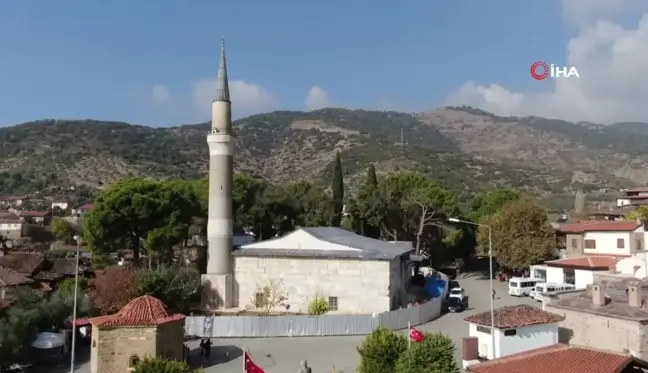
(608, 238)
(36, 217)
(81, 210)
(633, 197)
(579, 271)
(610, 314)
(11, 227)
(62, 205)
(12, 201)
(557, 358)
(47, 272)
(9, 280)
(517, 329)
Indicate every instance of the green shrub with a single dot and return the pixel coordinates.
(434, 354)
(159, 365)
(380, 351)
(318, 306)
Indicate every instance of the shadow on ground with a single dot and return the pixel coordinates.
(218, 355)
(481, 275)
(62, 365)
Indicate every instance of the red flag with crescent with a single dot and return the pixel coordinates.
(415, 335)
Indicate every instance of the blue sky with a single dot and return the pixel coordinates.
(141, 62)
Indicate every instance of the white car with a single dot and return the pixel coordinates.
(457, 293)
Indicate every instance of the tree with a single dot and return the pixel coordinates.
(579, 202)
(372, 179)
(160, 365)
(269, 296)
(318, 305)
(178, 288)
(60, 229)
(434, 354)
(521, 235)
(380, 351)
(640, 213)
(113, 287)
(125, 214)
(337, 187)
(488, 203)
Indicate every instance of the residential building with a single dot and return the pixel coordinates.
(576, 271)
(63, 205)
(9, 280)
(356, 274)
(10, 227)
(517, 329)
(47, 272)
(610, 314)
(12, 201)
(633, 197)
(610, 238)
(558, 358)
(36, 217)
(82, 210)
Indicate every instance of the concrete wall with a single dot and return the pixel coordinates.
(606, 242)
(607, 333)
(360, 286)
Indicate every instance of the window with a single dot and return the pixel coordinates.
(590, 244)
(483, 329)
(639, 245)
(259, 300)
(134, 359)
(574, 244)
(570, 276)
(510, 332)
(620, 243)
(333, 303)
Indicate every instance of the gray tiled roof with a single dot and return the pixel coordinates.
(368, 248)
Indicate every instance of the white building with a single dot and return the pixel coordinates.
(60, 204)
(355, 274)
(576, 271)
(517, 329)
(11, 227)
(617, 238)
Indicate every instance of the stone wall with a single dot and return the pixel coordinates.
(170, 340)
(602, 332)
(115, 346)
(360, 286)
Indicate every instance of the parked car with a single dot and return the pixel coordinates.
(455, 304)
(456, 293)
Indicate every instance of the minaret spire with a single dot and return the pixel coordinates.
(222, 85)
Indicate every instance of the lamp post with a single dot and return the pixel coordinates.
(77, 238)
(490, 272)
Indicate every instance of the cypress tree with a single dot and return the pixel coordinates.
(338, 190)
(372, 180)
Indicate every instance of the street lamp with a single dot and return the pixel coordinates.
(77, 238)
(490, 272)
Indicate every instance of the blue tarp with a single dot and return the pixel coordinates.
(435, 287)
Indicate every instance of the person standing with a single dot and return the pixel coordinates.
(208, 345)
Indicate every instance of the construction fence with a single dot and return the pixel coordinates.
(305, 325)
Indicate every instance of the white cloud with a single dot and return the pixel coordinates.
(612, 62)
(160, 94)
(247, 98)
(317, 98)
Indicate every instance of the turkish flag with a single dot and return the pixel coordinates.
(250, 366)
(415, 335)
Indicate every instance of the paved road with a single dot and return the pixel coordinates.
(281, 355)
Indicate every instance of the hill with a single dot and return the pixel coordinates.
(466, 149)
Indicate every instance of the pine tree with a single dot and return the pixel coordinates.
(338, 190)
(579, 202)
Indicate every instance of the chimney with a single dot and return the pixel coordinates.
(634, 294)
(598, 296)
(470, 348)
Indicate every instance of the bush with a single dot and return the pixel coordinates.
(380, 351)
(159, 365)
(318, 306)
(434, 354)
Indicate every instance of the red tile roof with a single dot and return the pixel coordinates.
(11, 278)
(515, 317)
(601, 226)
(34, 213)
(604, 262)
(558, 358)
(142, 311)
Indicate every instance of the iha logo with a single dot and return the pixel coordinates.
(541, 70)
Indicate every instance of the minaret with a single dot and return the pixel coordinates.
(220, 224)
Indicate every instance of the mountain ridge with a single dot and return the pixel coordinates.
(467, 149)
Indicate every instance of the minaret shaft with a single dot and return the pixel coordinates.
(220, 224)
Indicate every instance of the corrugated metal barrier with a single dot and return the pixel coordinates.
(304, 325)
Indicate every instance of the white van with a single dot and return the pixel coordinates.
(549, 288)
(522, 286)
